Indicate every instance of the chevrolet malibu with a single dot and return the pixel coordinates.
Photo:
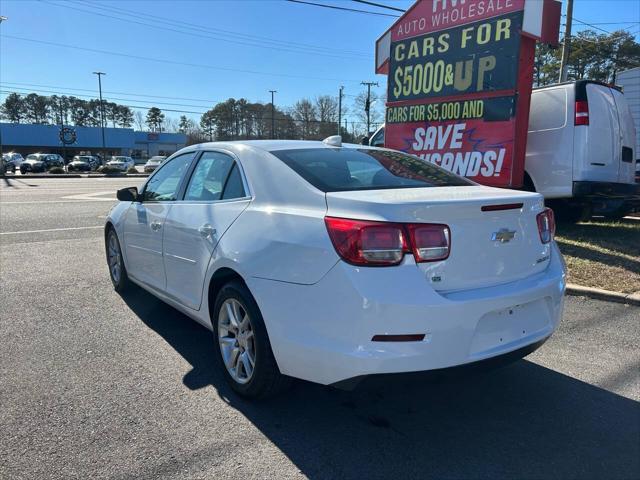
(331, 263)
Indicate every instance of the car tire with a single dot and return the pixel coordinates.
(115, 262)
(265, 379)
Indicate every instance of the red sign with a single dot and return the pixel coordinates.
(468, 145)
(433, 15)
(459, 85)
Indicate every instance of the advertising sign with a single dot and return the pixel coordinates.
(459, 85)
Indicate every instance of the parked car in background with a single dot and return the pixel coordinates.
(6, 166)
(329, 262)
(13, 158)
(83, 163)
(580, 150)
(153, 163)
(41, 162)
(121, 162)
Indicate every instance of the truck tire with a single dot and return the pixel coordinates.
(567, 213)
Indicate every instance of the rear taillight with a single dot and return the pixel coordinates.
(429, 242)
(363, 242)
(546, 225)
(582, 112)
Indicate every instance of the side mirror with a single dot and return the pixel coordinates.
(364, 141)
(129, 194)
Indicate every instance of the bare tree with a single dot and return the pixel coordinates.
(138, 119)
(307, 117)
(376, 107)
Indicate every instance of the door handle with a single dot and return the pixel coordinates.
(155, 226)
(207, 231)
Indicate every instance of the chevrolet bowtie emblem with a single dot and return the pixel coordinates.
(503, 235)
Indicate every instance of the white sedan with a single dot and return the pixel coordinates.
(121, 162)
(330, 263)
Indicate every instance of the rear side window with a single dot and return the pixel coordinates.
(344, 169)
(233, 187)
(216, 177)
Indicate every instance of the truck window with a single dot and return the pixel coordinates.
(548, 109)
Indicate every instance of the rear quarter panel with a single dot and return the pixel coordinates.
(281, 235)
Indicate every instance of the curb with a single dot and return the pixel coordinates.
(44, 175)
(77, 175)
(599, 294)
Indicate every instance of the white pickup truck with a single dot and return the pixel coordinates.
(580, 150)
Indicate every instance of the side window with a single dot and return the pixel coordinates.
(378, 139)
(234, 187)
(163, 186)
(209, 177)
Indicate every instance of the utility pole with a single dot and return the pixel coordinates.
(367, 105)
(2, 19)
(104, 148)
(340, 107)
(64, 145)
(566, 47)
(273, 115)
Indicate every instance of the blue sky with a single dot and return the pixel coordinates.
(257, 45)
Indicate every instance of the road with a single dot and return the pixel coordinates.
(94, 385)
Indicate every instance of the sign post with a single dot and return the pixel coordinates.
(459, 83)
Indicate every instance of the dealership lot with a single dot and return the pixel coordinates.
(94, 384)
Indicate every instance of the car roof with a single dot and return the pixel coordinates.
(269, 145)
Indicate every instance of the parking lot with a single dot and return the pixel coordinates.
(97, 385)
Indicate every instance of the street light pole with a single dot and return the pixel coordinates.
(273, 115)
(2, 19)
(99, 74)
(367, 105)
(340, 108)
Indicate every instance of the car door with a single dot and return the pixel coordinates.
(144, 221)
(214, 197)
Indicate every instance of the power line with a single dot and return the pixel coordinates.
(165, 28)
(173, 62)
(112, 98)
(243, 36)
(613, 23)
(147, 107)
(144, 107)
(380, 5)
(111, 91)
(335, 7)
(591, 25)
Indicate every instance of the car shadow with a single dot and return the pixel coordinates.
(521, 421)
(594, 255)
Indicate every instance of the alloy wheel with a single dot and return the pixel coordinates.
(237, 340)
(114, 258)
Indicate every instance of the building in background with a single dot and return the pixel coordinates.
(28, 138)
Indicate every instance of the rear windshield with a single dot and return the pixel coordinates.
(344, 169)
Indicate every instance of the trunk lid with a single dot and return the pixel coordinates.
(478, 258)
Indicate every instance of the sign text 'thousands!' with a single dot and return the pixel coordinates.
(459, 83)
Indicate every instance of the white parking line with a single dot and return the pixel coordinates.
(51, 230)
(92, 196)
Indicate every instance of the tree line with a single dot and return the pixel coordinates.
(233, 119)
(39, 109)
(593, 56)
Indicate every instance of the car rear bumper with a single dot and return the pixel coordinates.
(323, 332)
(466, 369)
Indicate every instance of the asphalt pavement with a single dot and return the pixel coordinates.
(95, 385)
